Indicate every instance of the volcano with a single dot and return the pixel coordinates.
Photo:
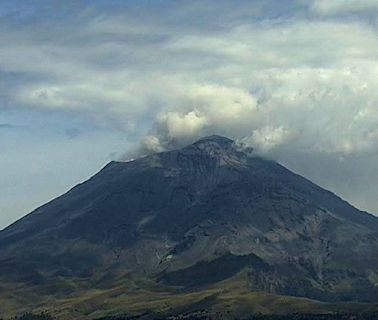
(190, 229)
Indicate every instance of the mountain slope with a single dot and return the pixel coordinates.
(193, 217)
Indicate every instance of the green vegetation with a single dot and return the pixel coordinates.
(32, 316)
(148, 300)
(360, 316)
(202, 315)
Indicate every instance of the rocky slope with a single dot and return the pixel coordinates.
(193, 217)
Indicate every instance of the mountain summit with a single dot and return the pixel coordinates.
(193, 218)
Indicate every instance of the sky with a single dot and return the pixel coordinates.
(86, 82)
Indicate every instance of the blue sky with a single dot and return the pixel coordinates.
(86, 82)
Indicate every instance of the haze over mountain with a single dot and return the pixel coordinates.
(192, 219)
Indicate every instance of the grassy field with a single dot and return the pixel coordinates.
(86, 299)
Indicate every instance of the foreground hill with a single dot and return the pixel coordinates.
(207, 226)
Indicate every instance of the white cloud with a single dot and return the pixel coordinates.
(180, 126)
(266, 138)
(331, 7)
(315, 77)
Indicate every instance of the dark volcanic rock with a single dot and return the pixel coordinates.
(199, 215)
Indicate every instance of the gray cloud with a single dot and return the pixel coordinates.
(299, 87)
(5, 126)
(10, 126)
